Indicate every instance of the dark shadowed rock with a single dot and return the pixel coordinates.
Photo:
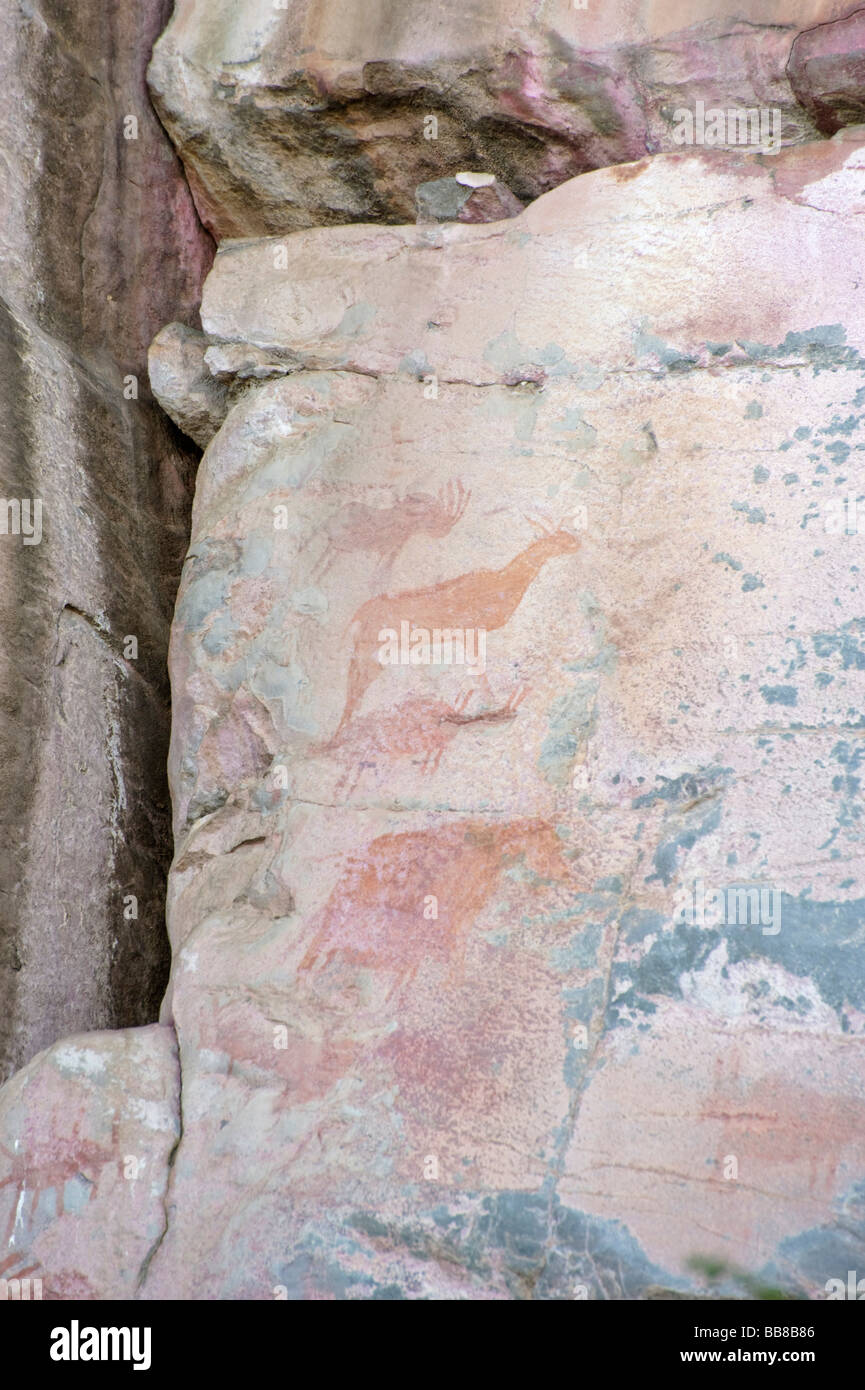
(309, 114)
(99, 244)
(827, 72)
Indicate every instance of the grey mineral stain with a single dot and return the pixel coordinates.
(200, 598)
(687, 787)
(530, 1244)
(76, 1194)
(667, 855)
(416, 364)
(818, 941)
(779, 694)
(755, 515)
(355, 319)
(828, 1252)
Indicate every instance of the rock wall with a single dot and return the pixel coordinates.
(99, 243)
(535, 972)
(302, 114)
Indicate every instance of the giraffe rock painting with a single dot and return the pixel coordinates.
(480, 601)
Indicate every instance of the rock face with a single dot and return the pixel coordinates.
(95, 490)
(182, 381)
(535, 972)
(301, 114)
(89, 1128)
(827, 72)
(467, 197)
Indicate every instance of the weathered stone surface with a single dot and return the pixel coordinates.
(468, 197)
(309, 114)
(606, 433)
(827, 72)
(183, 384)
(444, 1028)
(85, 219)
(87, 1131)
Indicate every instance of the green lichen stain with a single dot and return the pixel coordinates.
(817, 941)
(824, 347)
(507, 355)
(415, 364)
(572, 716)
(571, 719)
(839, 426)
(528, 1243)
(581, 952)
(667, 856)
(647, 344)
(580, 434)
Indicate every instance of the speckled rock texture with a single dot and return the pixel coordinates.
(99, 245)
(298, 114)
(537, 974)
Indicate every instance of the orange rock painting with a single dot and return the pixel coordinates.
(415, 896)
(482, 600)
(773, 1123)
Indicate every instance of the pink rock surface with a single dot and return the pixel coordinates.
(447, 1024)
(86, 1133)
(428, 975)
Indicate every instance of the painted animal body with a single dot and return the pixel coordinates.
(385, 530)
(417, 727)
(375, 915)
(480, 599)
